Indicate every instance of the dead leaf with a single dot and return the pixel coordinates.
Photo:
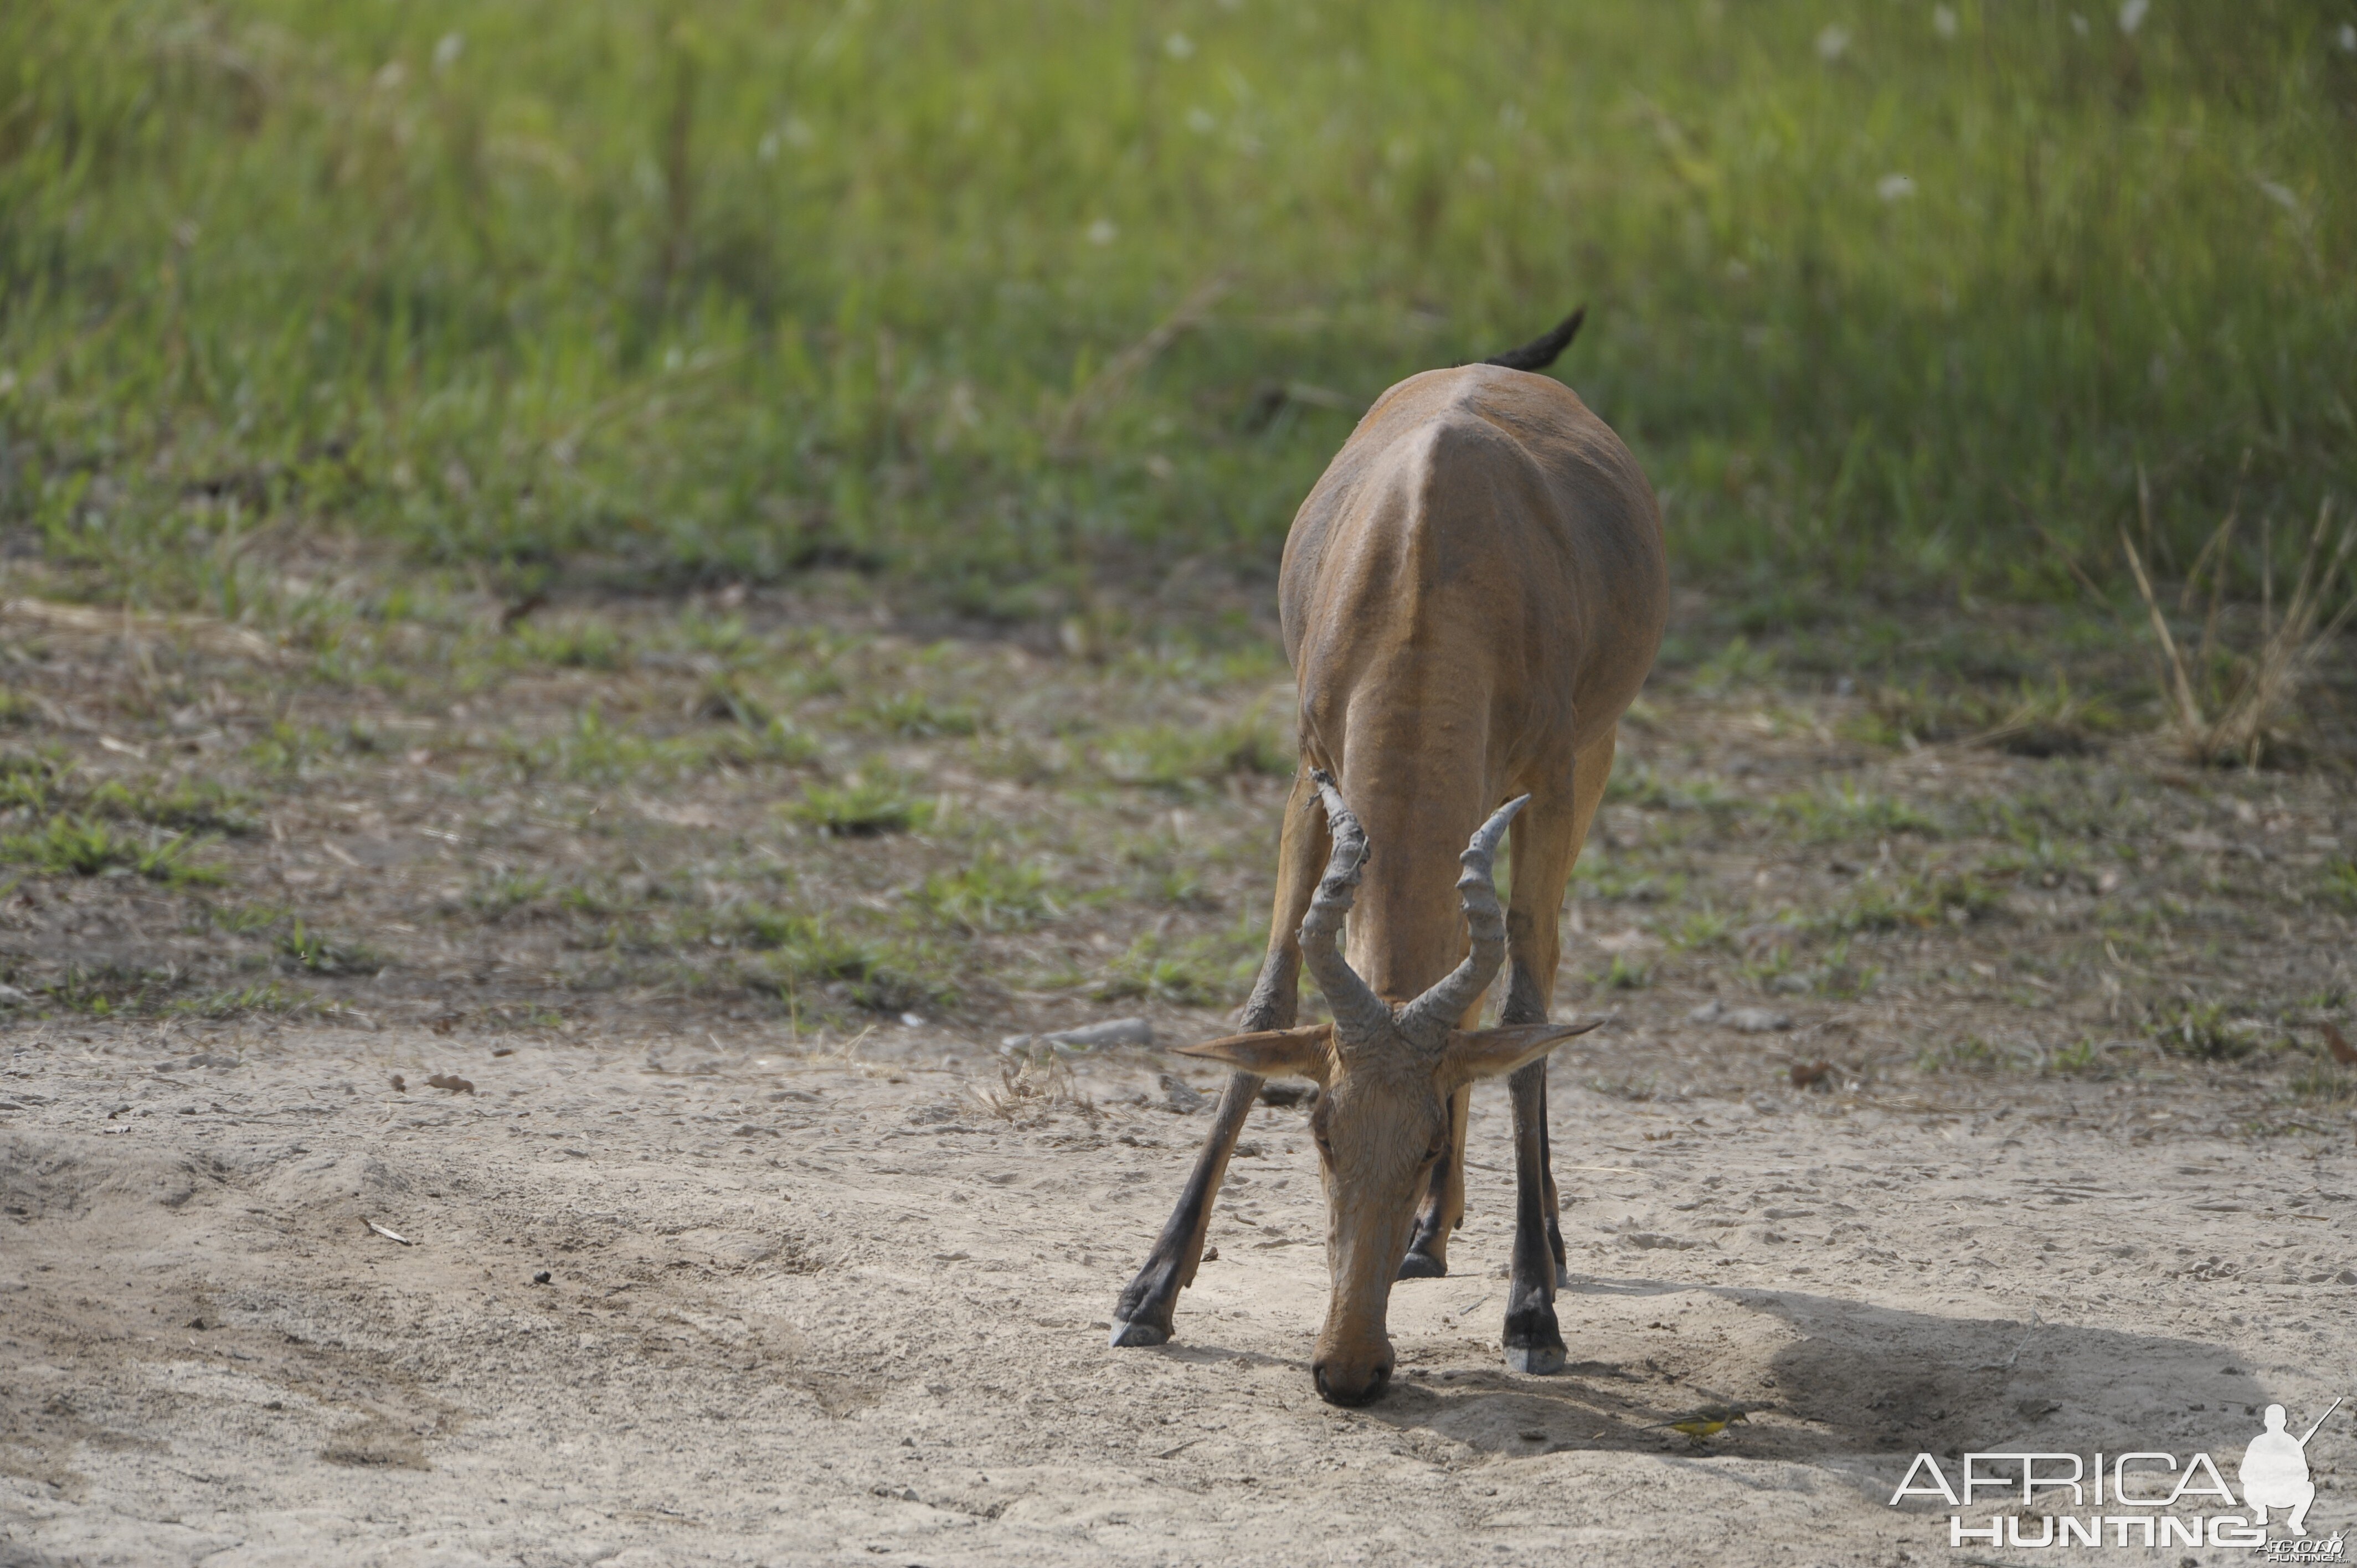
(451, 1081)
(1808, 1075)
(400, 1084)
(2342, 1051)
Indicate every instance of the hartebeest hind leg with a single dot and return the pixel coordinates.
(1143, 1315)
(1546, 844)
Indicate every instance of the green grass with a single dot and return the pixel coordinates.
(191, 805)
(912, 716)
(1912, 900)
(577, 644)
(1203, 973)
(1641, 785)
(1843, 811)
(863, 808)
(991, 894)
(1620, 975)
(31, 783)
(2206, 1031)
(324, 955)
(1180, 759)
(501, 894)
(664, 293)
(76, 847)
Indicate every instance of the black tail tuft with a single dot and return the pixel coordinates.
(1538, 354)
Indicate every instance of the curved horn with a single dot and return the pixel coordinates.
(1359, 1013)
(1427, 1020)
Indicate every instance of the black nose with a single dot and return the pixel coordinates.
(1378, 1380)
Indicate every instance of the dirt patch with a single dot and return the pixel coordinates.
(815, 1310)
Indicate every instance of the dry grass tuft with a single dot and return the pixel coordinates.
(1032, 1090)
(2224, 709)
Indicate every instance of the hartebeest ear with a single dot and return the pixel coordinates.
(1273, 1053)
(1487, 1052)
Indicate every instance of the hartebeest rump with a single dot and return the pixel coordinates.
(1470, 597)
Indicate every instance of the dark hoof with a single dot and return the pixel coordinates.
(1423, 1266)
(1533, 1343)
(1539, 1360)
(1127, 1335)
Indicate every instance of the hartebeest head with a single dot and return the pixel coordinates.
(1386, 1071)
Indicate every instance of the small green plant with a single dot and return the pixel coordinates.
(2052, 720)
(31, 783)
(245, 919)
(1641, 785)
(724, 636)
(76, 847)
(1200, 973)
(1620, 975)
(1840, 979)
(572, 645)
(1772, 969)
(1844, 811)
(196, 805)
(264, 996)
(2205, 1031)
(1704, 927)
(728, 695)
(865, 808)
(2341, 885)
(993, 894)
(1972, 1053)
(504, 893)
(1880, 904)
(104, 990)
(777, 739)
(324, 955)
(591, 751)
(1169, 756)
(288, 747)
(2081, 1059)
(804, 953)
(1738, 663)
(1903, 716)
(1616, 881)
(915, 716)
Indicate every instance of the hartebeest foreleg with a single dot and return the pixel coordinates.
(1444, 1201)
(1546, 846)
(1143, 1315)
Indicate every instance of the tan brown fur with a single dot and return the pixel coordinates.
(1470, 596)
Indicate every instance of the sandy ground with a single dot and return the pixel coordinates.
(839, 1307)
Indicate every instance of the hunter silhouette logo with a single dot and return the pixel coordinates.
(2146, 1488)
(2275, 1471)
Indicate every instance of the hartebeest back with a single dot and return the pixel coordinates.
(1470, 597)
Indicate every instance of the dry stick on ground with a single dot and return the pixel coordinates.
(200, 631)
(2287, 650)
(1109, 383)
